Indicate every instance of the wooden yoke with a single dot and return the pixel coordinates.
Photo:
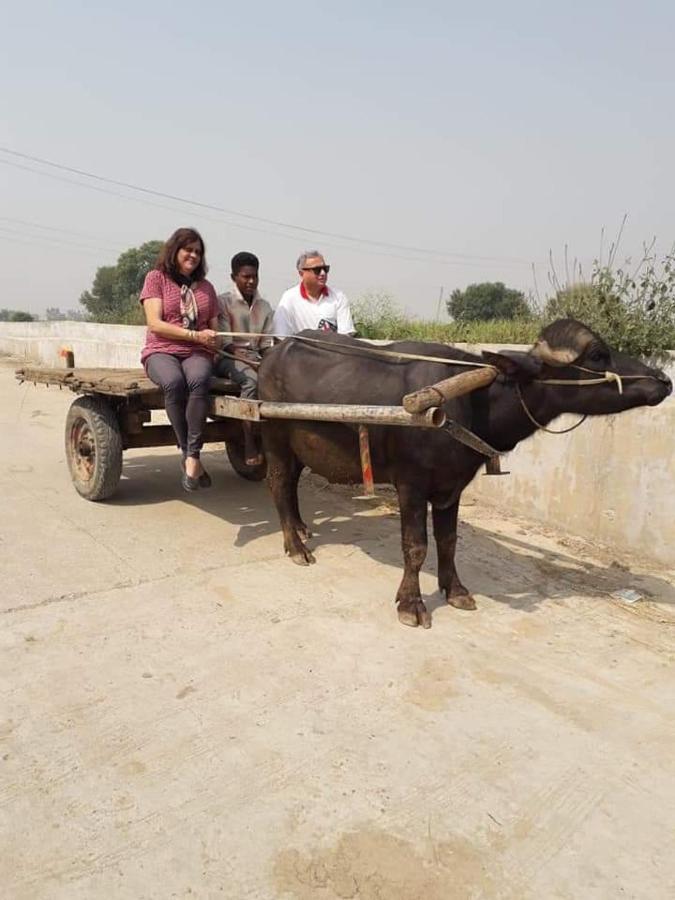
(448, 389)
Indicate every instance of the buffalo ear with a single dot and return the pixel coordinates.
(514, 363)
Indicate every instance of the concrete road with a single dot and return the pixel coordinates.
(185, 713)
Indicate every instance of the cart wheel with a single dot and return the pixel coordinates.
(235, 454)
(93, 448)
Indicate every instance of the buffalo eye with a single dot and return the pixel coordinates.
(598, 355)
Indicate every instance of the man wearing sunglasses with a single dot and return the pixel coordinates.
(311, 303)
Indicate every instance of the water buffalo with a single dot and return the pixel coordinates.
(428, 466)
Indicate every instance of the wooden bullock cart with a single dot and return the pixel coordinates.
(113, 411)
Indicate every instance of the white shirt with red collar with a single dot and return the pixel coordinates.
(297, 311)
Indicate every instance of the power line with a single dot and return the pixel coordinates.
(221, 221)
(146, 202)
(44, 237)
(54, 228)
(51, 246)
(313, 231)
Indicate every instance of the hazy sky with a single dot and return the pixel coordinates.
(488, 133)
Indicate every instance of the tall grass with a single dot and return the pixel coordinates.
(633, 313)
(377, 316)
(496, 331)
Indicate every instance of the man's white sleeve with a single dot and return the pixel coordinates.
(282, 320)
(344, 316)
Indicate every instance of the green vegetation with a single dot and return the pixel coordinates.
(15, 315)
(113, 297)
(633, 308)
(378, 316)
(487, 301)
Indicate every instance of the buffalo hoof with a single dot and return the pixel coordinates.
(302, 557)
(461, 601)
(414, 613)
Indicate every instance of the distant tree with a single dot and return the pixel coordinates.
(54, 314)
(15, 315)
(488, 300)
(99, 301)
(113, 296)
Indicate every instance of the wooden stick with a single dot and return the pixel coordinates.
(356, 414)
(448, 389)
(366, 464)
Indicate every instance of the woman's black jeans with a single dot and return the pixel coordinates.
(185, 382)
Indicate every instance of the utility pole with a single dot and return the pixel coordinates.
(438, 307)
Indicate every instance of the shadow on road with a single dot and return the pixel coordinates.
(509, 569)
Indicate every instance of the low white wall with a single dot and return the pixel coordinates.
(612, 480)
(94, 345)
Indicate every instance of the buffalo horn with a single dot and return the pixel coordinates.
(449, 388)
(563, 342)
(558, 356)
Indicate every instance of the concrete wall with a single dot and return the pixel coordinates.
(612, 480)
(114, 346)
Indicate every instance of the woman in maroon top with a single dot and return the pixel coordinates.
(181, 310)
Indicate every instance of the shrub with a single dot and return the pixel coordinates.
(377, 315)
(486, 301)
(15, 315)
(633, 311)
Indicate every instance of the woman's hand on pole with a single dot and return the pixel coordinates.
(207, 338)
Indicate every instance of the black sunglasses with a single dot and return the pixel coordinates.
(317, 269)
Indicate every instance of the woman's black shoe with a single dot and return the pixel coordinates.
(189, 483)
(203, 480)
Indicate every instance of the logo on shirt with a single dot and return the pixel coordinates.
(326, 325)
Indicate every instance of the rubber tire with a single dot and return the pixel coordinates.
(100, 420)
(235, 454)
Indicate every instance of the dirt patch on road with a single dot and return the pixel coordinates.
(374, 865)
(432, 686)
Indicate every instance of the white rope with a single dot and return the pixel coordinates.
(580, 382)
(607, 376)
(543, 427)
(376, 351)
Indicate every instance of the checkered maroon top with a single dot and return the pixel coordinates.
(157, 284)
